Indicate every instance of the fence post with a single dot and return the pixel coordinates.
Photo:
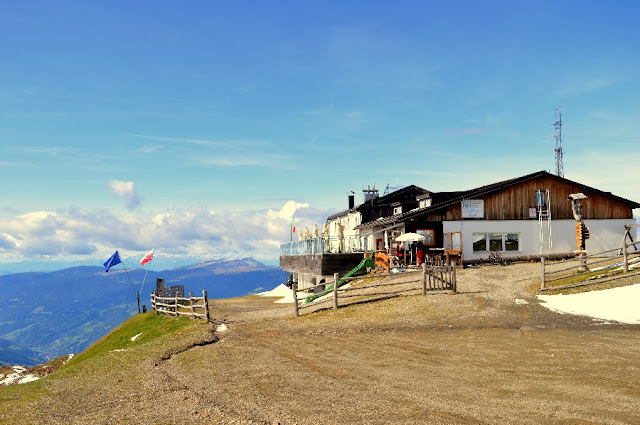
(294, 288)
(206, 304)
(454, 281)
(336, 276)
(543, 283)
(424, 279)
(193, 316)
(625, 255)
(154, 301)
(175, 295)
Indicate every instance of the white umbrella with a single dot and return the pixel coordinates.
(410, 237)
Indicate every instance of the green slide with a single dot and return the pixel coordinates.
(366, 262)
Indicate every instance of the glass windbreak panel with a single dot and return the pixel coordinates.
(511, 242)
(495, 242)
(479, 242)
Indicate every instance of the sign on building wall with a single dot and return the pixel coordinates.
(473, 208)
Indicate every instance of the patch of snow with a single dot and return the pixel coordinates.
(279, 291)
(8, 380)
(521, 302)
(616, 304)
(286, 295)
(28, 378)
(68, 358)
(633, 264)
(221, 327)
(133, 338)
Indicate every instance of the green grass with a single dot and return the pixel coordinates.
(150, 326)
(156, 334)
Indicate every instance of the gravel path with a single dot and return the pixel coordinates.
(489, 354)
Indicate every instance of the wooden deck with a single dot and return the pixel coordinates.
(321, 264)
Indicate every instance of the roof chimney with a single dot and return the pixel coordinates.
(352, 200)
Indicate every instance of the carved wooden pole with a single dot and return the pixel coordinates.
(424, 279)
(543, 283)
(625, 256)
(454, 281)
(191, 305)
(294, 288)
(206, 304)
(336, 276)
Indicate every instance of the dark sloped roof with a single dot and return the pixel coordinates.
(381, 200)
(445, 199)
(341, 213)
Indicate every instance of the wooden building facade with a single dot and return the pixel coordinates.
(524, 216)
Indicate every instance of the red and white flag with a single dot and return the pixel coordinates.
(147, 257)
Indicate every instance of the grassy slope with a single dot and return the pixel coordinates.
(115, 360)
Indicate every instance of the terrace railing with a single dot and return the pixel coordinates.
(323, 246)
(304, 247)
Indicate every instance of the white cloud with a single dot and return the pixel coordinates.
(198, 142)
(15, 164)
(580, 86)
(194, 232)
(125, 191)
(263, 160)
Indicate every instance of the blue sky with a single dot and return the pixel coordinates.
(201, 127)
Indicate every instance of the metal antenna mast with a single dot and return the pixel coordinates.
(558, 139)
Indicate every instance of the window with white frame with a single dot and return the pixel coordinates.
(485, 242)
(426, 202)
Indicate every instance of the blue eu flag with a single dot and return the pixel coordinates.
(115, 259)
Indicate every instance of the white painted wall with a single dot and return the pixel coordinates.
(605, 235)
(351, 236)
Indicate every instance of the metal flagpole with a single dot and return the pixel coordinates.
(145, 276)
(131, 283)
(148, 266)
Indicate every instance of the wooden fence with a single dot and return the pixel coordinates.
(432, 278)
(194, 307)
(612, 265)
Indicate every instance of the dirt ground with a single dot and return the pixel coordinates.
(474, 357)
(477, 357)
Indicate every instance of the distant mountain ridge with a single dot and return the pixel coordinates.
(62, 312)
(241, 265)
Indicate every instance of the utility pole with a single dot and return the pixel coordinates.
(558, 138)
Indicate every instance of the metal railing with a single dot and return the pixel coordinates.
(323, 246)
(304, 247)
